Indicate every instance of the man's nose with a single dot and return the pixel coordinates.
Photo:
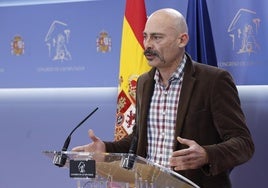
(147, 43)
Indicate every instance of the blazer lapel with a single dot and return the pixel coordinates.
(185, 96)
(146, 92)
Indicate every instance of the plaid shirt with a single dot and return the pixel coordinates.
(162, 117)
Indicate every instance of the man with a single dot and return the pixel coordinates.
(188, 115)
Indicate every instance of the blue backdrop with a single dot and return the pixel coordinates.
(59, 61)
(61, 44)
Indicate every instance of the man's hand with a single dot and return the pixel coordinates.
(96, 146)
(193, 157)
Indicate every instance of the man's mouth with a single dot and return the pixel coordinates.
(150, 54)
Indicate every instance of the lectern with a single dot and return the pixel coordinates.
(107, 170)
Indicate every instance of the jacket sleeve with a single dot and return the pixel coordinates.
(121, 146)
(237, 146)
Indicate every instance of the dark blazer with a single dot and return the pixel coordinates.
(209, 112)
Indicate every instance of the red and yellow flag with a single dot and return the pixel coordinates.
(132, 64)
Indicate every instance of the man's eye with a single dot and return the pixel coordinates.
(157, 37)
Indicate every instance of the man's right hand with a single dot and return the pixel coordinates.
(96, 146)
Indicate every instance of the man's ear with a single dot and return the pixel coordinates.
(183, 40)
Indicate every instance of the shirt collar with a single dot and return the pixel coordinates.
(177, 75)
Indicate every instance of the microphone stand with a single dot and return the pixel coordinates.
(60, 158)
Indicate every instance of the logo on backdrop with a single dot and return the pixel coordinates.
(57, 40)
(243, 31)
(17, 46)
(104, 42)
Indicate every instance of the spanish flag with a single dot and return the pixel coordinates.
(132, 64)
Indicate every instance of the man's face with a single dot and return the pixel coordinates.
(161, 41)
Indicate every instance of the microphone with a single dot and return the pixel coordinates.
(133, 145)
(60, 158)
(129, 159)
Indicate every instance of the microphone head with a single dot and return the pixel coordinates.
(59, 159)
(128, 161)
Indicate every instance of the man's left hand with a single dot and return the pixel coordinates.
(192, 157)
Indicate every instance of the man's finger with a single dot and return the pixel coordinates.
(92, 135)
(185, 141)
